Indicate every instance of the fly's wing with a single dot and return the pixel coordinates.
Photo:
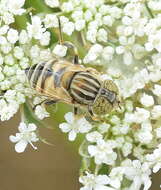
(41, 79)
(54, 95)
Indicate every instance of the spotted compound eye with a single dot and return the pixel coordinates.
(110, 85)
(102, 106)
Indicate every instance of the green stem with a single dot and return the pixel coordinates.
(22, 113)
(97, 168)
(149, 10)
(84, 42)
(84, 166)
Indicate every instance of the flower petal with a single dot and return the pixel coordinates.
(20, 146)
(92, 150)
(128, 58)
(22, 127)
(65, 127)
(72, 135)
(13, 139)
(32, 127)
(103, 179)
(102, 187)
(69, 117)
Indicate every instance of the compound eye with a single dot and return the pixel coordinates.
(110, 85)
(102, 106)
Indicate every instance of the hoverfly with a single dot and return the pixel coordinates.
(63, 81)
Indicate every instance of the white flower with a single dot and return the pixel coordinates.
(155, 159)
(34, 51)
(133, 10)
(9, 59)
(155, 75)
(116, 176)
(154, 5)
(14, 6)
(35, 29)
(52, 3)
(77, 15)
(135, 25)
(144, 135)
(25, 136)
(8, 111)
(102, 35)
(1, 59)
(154, 41)
(158, 132)
(94, 182)
(103, 152)
(88, 15)
(18, 52)
(50, 21)
(79, 24)
(156, 111)
(67, 7)
(138, 51)
(45, 38)
(41, 112)
(139, 174)
(115, 120)
(129, 105)
(93, 53)
(3, 40)
(6, 48)
(4, 29)
(108, 53)
(91, 35)
(141, 115)
(68, 28)
(157, 90)
(127, 148)
(147, 100)
(60, 50)
(74, 125)
(93, 136)
(108, 20)
(12, 36)
(8, 18)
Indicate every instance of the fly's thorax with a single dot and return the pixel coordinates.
(107, 98)
(84, 88)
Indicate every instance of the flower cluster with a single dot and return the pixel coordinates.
(120, 38)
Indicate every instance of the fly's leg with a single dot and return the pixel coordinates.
(94, 118)
(60, 32)
(47, 102)
(90, 111)
(68, 44)
(75, 110)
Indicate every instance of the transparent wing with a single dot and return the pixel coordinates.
(54, 95)
(39, 77)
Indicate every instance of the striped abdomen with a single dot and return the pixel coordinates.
(38, 73)
(84, 88)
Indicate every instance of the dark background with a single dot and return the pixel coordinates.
(49, 168)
